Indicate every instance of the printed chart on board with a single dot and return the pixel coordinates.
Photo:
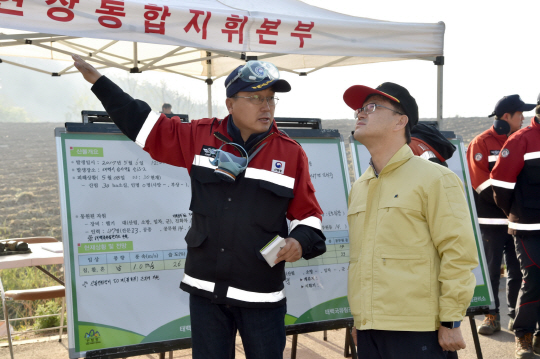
(124, 219)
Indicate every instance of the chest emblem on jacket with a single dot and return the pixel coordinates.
(208, 151)
(494, 152)
(278, 166)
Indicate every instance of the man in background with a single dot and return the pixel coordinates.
(481, 156)
(430, 144)
(166, 108)
(412, 247)
(516, 185)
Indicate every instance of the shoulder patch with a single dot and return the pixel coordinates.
(478, 157)
(505, 152)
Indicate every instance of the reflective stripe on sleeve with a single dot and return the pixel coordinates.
(524, 226)
(310, 221)
(269, 176)
(203, 161)
(483, 186)
(492, 221)
(427, 155)
(198, 283)
(146, 128)
(492, 158)
(254, 297)
(508, 185)
(532, 155)
(235, 293)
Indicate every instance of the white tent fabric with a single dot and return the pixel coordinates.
(206, 39)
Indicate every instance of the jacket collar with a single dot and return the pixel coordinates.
(535, 123)
(230, 130)
(501, 138)
(398, 159)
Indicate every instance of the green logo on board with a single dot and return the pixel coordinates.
(86, 151)
(92, 337)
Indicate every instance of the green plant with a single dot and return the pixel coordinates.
(50, 307)
(27, 278)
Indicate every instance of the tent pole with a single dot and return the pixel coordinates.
(439, 61)
(209, 82)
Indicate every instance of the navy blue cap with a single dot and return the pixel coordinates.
(278, 85)
(510, 104)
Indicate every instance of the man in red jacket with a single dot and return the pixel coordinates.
(247, 179)
(516, 186)
(481, 156)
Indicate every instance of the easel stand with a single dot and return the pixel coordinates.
(349, 348)
(471, 312)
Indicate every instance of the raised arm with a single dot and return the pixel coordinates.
(88, 71)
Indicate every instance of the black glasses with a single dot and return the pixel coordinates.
(259, 100)
(370, 108)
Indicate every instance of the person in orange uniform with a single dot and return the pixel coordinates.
(428, 143)
(516, 186)
(481, 156)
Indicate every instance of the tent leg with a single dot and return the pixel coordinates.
(209, 87)
(440, 63)
(209, 82)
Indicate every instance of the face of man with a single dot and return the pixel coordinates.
(515, 121)
(378, 124)
(251, 118)
(167, 110)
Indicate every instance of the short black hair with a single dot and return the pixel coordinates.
(538, 110)
(166, 105)
(510, 113)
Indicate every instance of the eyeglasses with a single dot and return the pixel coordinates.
(259, 100)
(255, 71)
(370, 108)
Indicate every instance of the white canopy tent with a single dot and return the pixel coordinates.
(207, 39)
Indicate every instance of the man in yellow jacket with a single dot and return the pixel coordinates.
(412, 247)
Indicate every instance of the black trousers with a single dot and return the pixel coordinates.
(389, 344)
(528, 304)
(497, 242)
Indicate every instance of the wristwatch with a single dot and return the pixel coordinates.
(451, 325)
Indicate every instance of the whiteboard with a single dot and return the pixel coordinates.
(124, 218)
(483, 296)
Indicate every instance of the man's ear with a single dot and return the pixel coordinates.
(505, 117)
(229, 103)
(403, 121)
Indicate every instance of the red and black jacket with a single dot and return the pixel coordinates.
(231, 221)
(481, 156)
(516, 180)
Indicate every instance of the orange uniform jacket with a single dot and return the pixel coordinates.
(481, 156)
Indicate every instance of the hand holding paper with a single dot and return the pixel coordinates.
(291, 252)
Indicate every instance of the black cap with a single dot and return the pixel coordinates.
(278, 85)
(356, 95)
(510, 104)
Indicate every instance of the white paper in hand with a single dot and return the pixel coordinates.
(271, 249)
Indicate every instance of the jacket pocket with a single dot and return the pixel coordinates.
(402, 281)
(205, 187)
(195, 238)
(272, 202)
(355, 218)
(532, 171)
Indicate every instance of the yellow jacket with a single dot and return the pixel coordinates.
(412, 247)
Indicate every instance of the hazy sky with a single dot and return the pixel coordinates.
(489, 52)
